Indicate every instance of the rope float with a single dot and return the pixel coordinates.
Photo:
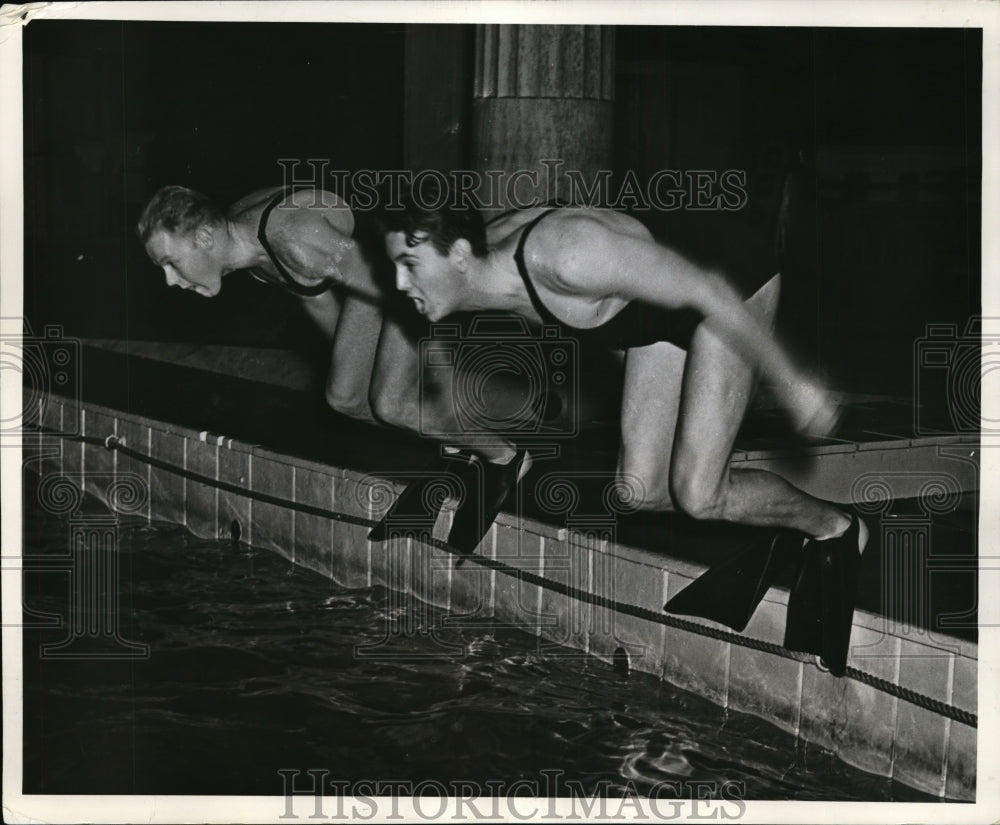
(876, 682)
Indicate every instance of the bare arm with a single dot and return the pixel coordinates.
(603, 262)
(319, 231)
(324, 310)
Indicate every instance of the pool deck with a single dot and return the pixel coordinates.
(317, 462)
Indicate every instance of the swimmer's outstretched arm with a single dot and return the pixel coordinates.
(599, 261)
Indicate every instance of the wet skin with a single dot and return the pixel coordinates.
(681, 409)
(374, 360)
(310, 233)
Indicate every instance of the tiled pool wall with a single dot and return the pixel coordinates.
(867, 728)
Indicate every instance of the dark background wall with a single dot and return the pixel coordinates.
(879, 128)
(881, 131)
(113, 111)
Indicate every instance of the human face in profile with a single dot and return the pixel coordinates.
(188, 260)
(424, 275)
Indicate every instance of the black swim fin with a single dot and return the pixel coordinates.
(730, 592)
(486, 491)
(821, 602)
(415, 511)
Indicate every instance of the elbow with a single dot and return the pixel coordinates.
(334, 401)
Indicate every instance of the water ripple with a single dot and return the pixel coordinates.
(256, 666)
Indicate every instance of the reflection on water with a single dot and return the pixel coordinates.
(253, 670)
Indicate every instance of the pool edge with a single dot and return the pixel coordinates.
(867, 728)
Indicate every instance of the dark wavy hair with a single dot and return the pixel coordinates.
(177, 209)
(436, 220)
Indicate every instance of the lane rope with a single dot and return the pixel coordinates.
(878, 683)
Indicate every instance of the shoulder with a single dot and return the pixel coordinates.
(248, 208)
(318, 207)
(577, 248)
(313, 212)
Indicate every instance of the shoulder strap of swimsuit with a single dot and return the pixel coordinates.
(554, 203)
(522, 269)
(287, 280)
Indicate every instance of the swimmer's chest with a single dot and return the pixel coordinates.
(578, 312)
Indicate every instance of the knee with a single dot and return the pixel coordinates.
(347, 403)
(351, 407)
(697, 495)
(392, 408)
(642, 485)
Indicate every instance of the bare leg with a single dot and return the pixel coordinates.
(353, 357)
(650, 404)
(714, 395)
(396, 397)
(394, 391)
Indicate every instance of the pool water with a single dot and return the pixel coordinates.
(252, 669)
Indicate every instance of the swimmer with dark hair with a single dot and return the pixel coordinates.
(306, 241)
(696, 340)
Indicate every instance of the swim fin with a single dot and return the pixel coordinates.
(821, 602)
(730, 592)
(416, 509)
(486, 493)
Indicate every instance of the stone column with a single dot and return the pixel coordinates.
(542, 93)
(436, 96)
